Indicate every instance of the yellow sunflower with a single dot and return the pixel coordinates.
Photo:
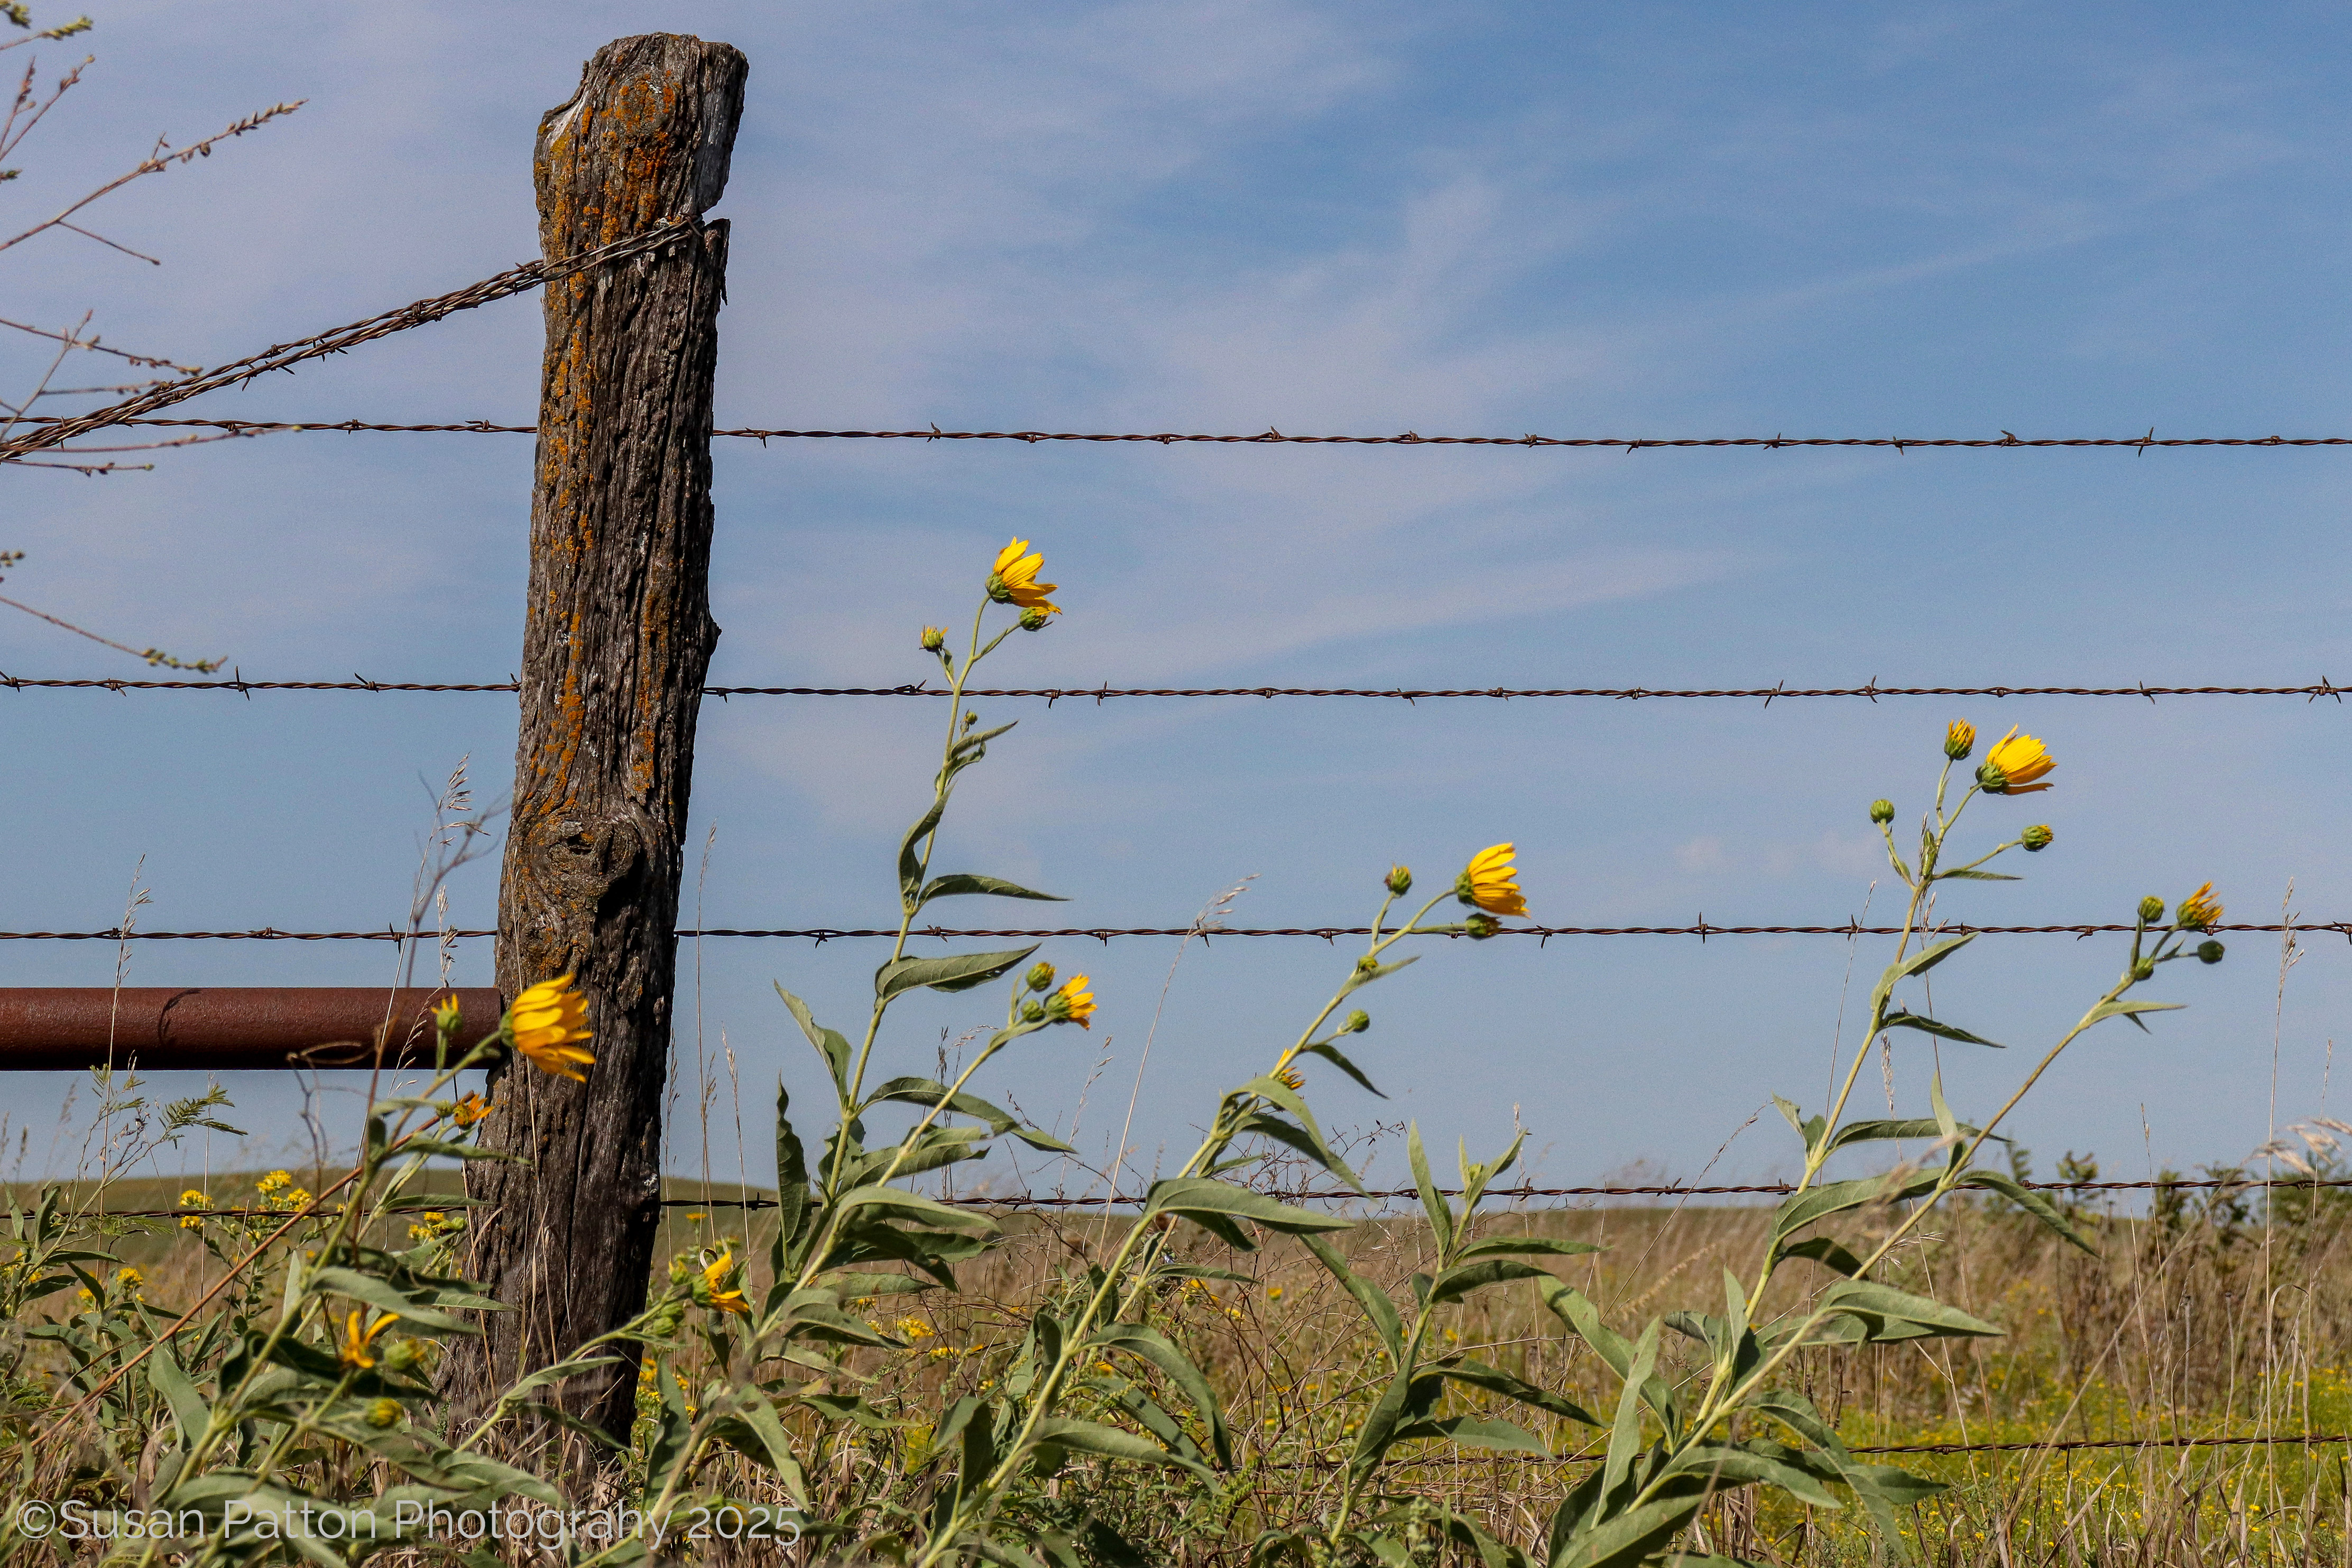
(1490, 883)
(2014, 763)
(1013, 579)
(545, 1021)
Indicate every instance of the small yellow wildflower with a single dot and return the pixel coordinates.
(714, 1276)
(358, 1348)
(193, 1199)
(275, 1180)
(1489, 882)
(444, 1014)
(1292, 1077)
(470, 1110)
(2198, 911)
(915, 1328)
(545, 1021)
(2013, 764)
(1073, 1003)
(1013, 579)
(1274, 1293)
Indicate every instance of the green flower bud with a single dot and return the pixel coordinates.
(2151, 910)
(404, 1355)
(1960, 739)
(2209, 952)
(1992, 780)
(1040, 978)
(1034, 619)
(935, 639)
(1399, 881)
(2036, 838)
(997, 590)
(1358, 1022)
(1034, 1013)
(383, 1413)
(1366, 963)
(2144, 970)
(1882, 812)
(1481, 925)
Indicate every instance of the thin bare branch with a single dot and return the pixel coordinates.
(153, 656)
(157, 163)
(97, 347)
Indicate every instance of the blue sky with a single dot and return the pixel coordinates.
(1836, 219)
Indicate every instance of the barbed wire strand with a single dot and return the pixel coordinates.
(821, 934)
(47, 433)
(1275, 437)
(2310, 692)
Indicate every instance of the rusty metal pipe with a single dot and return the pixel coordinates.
(228, 1029)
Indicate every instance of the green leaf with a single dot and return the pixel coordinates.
(1441, 1215)
(2031, 1202)
(1571, 1306)
(1803, 1208)
(1156, 1349)
(768, 1444)
(1196, 1196)
(791, 1185)
(1494, 1379)
(1917, 964)
(910, 857)
(1331, 1053)
(1460, 1280)
(957, 971)
(1883, 1131)
(926, 1093)
(2131, 1010)
(831, 1043)
(1113, 1443)
(1968, 875)
(1630, 1538)
(1826, 1251)
(1899, 1019)
(1726, 1462)
(1529, 1246)
(1474, 1431)
(1370, 1299)
(189, 1411)
(378, 1294)
(1809, 1128)
(1625, 1432)
(962, 883)
(899, 1201)
(1315, 1148)
(1877, 1305)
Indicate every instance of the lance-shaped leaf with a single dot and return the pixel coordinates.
(1408, 1398)
(1918, 962)
(1802, 1209)
(2031, 1202)
(1878, 1307)
(898, 1201)
(1462, 1278)
(1527, 1245)
(1625, 1432)
(1826, 1251)
(926, 1093)
(1897, 1018)
(1156, 1350)
(1332, 1054)
(189, 1411)
(1572, 1308)
(1112, 1443)
(1314, 1146)
(964, 883)
(1474, 1431)
(1737, 1463)
(831, 1043)
(1197, 1198)
(1809, 1128)
(379, 1294)
(1494, 1379)
(957, 971)
(1370, 1298)
(1882, 1131)
(910, 853)
(1624, 1539)
(2132, 1010)
(1441, 1215)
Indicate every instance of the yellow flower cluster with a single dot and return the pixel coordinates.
(280, 1191)
(193, 1198)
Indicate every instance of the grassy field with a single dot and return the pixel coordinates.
(2212, 1315)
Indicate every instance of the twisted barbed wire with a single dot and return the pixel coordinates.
(1275, 437)
(821, 934)
(2311, 692)
(50, 432)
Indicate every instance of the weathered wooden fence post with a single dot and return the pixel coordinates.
(617, 638)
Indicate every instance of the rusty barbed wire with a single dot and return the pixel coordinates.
(823, 934)
(2311, 692)
(1275, 437)
(48, 433)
